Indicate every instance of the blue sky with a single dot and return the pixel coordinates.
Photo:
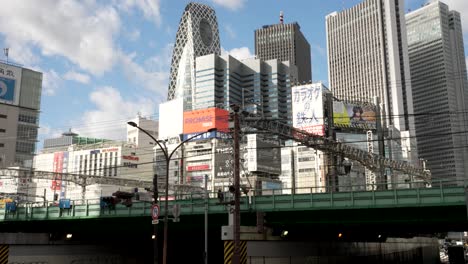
(105, 61)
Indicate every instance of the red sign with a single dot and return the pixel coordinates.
(57, 167)
(204, 119)
(198, 167)
(155, 211)
(130, 158)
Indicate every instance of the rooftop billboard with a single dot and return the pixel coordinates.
(351, 115)
(308, 108)
(204, 119)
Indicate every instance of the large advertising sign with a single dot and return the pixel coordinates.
(201, 120)
(171, 116)
(60, 166)
(308, 108)
(10, 83)
(263, 156)
(350, 115)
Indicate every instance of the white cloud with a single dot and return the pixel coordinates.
(230, 4)
(51, 82)
(150, 8)
(103, 122)
(239, 53)
(77, 77)
(81, 31)
(153, 75)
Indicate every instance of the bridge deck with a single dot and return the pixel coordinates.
(397, 198)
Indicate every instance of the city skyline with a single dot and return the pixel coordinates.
(126, 57)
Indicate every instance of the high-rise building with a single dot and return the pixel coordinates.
(20, 103)
(258, 86)
(440, 91)
(285, 42)
(197, 36)
(368, 57)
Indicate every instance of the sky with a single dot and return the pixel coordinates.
(104, 62)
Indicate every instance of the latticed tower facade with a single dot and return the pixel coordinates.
(197, 35)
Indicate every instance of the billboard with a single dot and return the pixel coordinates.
(351, 115)
(171, 117)
(201, 120)
(10, 83)
(262, 155)
(224, 161)
(208, 135)
(307, 108)
(60, 166)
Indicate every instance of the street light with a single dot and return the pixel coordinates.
(167, 157)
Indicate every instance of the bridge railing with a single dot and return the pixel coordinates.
(261, 200)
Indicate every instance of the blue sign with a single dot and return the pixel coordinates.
(64, 204)
(7, 89)
(207, 135)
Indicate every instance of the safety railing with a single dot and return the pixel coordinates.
(254, 200)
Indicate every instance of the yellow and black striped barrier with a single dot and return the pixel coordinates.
(229, 251)
(3, 254)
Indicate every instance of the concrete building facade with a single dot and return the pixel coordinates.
(71, 153)
(260, 87)
(440, 89)
(285, 42)
(20, 103)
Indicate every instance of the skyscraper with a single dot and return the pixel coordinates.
(285, 42)
(367, 58)
(20, 104)
(197, 36)
(261, 87)
(440, 91)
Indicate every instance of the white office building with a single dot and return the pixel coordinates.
(440, 89)
(367, 58)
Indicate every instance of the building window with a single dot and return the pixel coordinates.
(3, 116)
(2, 145)
(2, 130)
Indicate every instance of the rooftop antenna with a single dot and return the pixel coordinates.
(281, 17)
(5, 51)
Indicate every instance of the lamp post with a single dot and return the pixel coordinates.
(167, 157)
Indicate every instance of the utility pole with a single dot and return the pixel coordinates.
(236, 255)
(206, 219)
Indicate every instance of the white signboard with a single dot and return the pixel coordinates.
(171, 118)
(308, 108)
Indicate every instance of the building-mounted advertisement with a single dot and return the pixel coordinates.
(60, 166)
(171, 118)
(308, 108)
(352, 115)
(198, 121)
(263, 155)
(10, 83)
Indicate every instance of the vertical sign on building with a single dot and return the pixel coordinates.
(308, 108)
(58, 166)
